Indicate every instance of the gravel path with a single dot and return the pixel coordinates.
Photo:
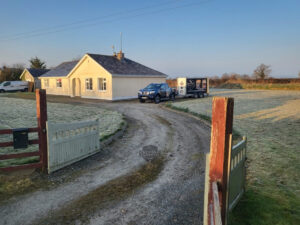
(174, 197)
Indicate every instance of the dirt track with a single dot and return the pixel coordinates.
(174, 196)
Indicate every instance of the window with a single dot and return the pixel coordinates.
(58, 83)
(163, 87)
(153, 86)
(46, 83)
(89, 84)
(102, 84)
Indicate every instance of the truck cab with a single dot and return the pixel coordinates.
(156, 92)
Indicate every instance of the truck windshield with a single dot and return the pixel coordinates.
(153, 86)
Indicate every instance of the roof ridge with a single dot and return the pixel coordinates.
(100, 54)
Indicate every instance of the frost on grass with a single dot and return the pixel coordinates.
(271, 122)
(17, 113)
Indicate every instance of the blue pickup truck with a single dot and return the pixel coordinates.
(156, 93)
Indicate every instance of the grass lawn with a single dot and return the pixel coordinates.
(261, 86)
(271, 122)
(18, 113)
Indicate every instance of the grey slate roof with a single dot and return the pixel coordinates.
(124, 66)
(110, 63)
(37, 72)
(61, 70)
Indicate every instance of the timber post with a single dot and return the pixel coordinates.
(41, 111)
(220, 149)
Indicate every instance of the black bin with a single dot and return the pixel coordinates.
(20, 136)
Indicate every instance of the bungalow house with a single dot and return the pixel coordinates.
(100, 76)
(32, 75)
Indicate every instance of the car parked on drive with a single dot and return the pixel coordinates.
(156, 92)
(9, 86)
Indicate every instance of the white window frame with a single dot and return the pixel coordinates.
(89, 84)
(46, 83)
(102, 86)
(59, 81)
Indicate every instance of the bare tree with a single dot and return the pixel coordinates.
(225, 77)
(245, 77)
(235, 76)
(299, 74)
(262, 71)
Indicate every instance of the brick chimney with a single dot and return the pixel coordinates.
(120, 55)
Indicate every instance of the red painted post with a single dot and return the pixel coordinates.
(41, 111)
(221, 130)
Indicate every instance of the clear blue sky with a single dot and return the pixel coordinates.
(180, 37)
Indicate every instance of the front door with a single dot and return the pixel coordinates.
(76, 87)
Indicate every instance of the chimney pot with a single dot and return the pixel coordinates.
(120, 55)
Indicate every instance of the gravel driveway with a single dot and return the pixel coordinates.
(174, 196)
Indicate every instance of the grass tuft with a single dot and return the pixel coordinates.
(121, 126)
(261, 208)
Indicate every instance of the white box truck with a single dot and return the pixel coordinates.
(190, 87)
(9, 86)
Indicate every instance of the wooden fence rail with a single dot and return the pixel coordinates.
(41, 107)
(19, 155)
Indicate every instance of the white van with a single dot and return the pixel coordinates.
(7, 86)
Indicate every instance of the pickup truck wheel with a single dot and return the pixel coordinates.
(142, 100)
(196, 95)
(157, 99)
(25, 90)
(2, 91)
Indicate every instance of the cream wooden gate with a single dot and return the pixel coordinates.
(71, 142)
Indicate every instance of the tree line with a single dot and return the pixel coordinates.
(14, 72)
(261, 72)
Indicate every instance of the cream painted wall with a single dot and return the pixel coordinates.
(128, 87)
(91, 69)
(117, 87)
(27, 77)
(52, 89)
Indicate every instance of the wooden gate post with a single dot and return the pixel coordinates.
(221, 131)
(41, 111)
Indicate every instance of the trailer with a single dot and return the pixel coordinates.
(190, 87)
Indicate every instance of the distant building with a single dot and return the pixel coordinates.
(32, 75)
(100, 76)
